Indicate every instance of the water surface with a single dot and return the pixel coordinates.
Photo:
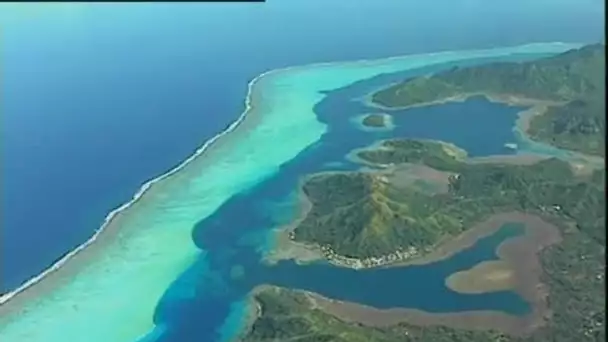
(101, 97)
(237, 240)
(226, 188)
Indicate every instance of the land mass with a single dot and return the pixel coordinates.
(375, 120)
(521, 250)
(570, 87)
(407, 225)
(564, 285)
(362, 219)
(446, 201)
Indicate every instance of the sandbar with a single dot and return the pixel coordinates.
(488, 276)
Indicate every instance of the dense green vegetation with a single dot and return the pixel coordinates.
(435, 154)
(575, 79)
(363, 215)
(572, 271)
(374, 120)
(578, 126)
(287, 315)
(359, 215)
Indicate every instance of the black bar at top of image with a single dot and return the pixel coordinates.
(128, 1)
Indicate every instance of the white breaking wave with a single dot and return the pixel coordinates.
(526, 48)
(32, 281)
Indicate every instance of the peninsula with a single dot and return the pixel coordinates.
(569, 88)
(124, 270)
(399, 227)
(390, 217)
(365, 219)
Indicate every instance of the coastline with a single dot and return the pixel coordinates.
(138, 195)
(284, 248)
(253, 311)
(387, 125)
(521, 251)
(248, 106)
(77, 259)
(288, 249)
(534, 107)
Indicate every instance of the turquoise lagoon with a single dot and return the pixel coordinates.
(164, 269)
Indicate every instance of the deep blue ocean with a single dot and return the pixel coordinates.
(100, 98)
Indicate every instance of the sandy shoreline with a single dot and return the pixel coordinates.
(521, 252)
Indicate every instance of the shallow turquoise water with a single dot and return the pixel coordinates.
(233, 235)
(222, 195)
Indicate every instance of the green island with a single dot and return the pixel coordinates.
(375, 120)
(383, 218)
(569, 87)
(370, 221)
(572, 270)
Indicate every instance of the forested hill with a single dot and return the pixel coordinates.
(575, 79)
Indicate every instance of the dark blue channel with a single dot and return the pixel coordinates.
(234, 241)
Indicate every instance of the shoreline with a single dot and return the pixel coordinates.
(252, 313)
(387, 125)
(533, 108)
(248, 106)
(287, 249)
(79, 258)
(138, 195)
(520, 255)
(539, 234)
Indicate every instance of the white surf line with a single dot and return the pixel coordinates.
(32, 281)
